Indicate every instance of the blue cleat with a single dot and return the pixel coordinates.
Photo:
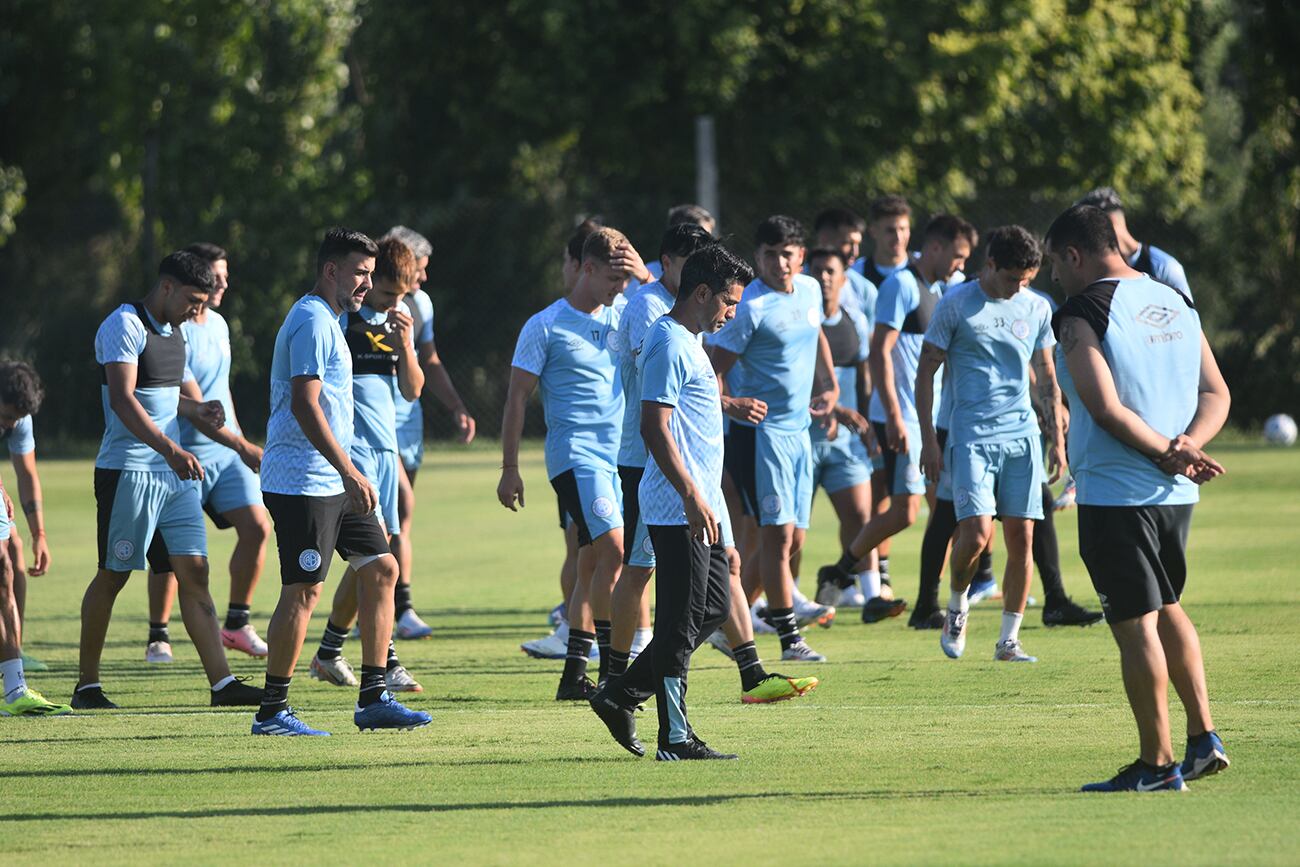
(1205, 756)
(558, 615)
(389, 713)
(286, 724)
(1141, 777)
(981, 589)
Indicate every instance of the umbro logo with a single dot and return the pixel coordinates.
(1156, 316)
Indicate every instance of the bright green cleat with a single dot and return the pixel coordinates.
(778, 687)
(31, 663)
(31, 703)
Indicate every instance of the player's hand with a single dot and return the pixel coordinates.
(9, 504)
(625, 258)
(702, 521)
(510, 488)
(40, 555)
(896, 435)
(832, 425)
(931, 458)
(746, 409)
(185, 465)
(402, 325)
(822, 404)
(1183, 457)
(251, 455)
(361, 494)
(465, 424)
(869, 442)
(1057, 463)
(852, 419)
(211, 412)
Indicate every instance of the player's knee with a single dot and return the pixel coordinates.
(383, 571)
(257, 527)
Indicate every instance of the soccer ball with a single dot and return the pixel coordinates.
(1279, 430)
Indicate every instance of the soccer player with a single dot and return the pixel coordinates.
(566, 350)
(1146, 396)
(318, 498)
(230, 493)
(684, 215)
(1147, 258)
(145, 482)
(681, 501)
(903, 312)
(841, 229)
(988, 332)
(776, 334)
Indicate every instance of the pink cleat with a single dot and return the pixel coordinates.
(244, 639)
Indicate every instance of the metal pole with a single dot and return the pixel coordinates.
(706, 167)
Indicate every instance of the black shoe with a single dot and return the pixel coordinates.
(831, 582)
(620, 721)
(878, 608)
(237, 693)
(581, 689)
(91, 699)
(1069, 613)
(692, 749)
(922, 619)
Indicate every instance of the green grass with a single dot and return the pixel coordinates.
(900, 756)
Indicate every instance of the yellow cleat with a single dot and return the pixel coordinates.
(31, 703)
(778, 687)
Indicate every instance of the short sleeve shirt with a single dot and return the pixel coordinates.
(207, 348)
(19, 439)
(651, 302)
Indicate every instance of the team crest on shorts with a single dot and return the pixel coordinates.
(648, 546)
(962, 498)
(1020, 328)
(772, 504)
(123, 549)
(815, 317)
(309, 560)
(602, 507)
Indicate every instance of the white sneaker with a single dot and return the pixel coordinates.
(335, 671)
(639, 641)
(1011, 651)
(409, 626)
(761, 626)
(801, 652)
(719, 641)
(398, 679)
(851, 597)
(952, 639)
(158, 652)
(806, 611)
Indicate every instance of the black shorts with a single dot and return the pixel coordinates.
(566, 493)
(1136, 556)
(739, 459)
(629, 478)
(308, 528)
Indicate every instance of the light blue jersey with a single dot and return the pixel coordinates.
(20, 439)
(651, 302)
(571, 355)
(130, 335)
(1151, 339)
(410, 421)
(989, 343)
(906, 306)
(1161, 267)
(310, 343)
(208, 352)
(676, 372)
(776, 335)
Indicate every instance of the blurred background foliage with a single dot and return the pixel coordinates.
(131, 128)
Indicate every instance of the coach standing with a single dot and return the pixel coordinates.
(1146, 395)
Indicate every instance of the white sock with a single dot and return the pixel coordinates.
(796, 595)
(14, 680)
(869, 581)
(223, 683)
(562, 631)
(95, 685)
(1010, 626)
(959, 601)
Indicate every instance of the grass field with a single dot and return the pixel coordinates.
(900, 756)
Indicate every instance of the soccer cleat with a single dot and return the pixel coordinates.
(398, 679)
(558, 615)
(801, 652)
(554, 646)
(981, 589)
(1011, 651)
(694, 749)
(389, 713)
(29, 702)
(953, 637)
(1141, 777)
(932, 619)
(831, 581)
(244, 639)
(718, 640)
(806, 611)
(286, 724)
(850, 597)
(1069, 613)
(620, 720)
(640, 641)
(581, 689)
(337, 671)
(778, 687)
(91, 699)
(237, 693)
(31, 663)
(1205, 755)
(158, 652)
(1068, 494)
(879, 608)
(410, 627)
(758, 620)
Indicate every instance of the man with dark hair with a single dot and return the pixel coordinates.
(841, 229)
(681, 498)
(1147, 258)
(319, 499)
(230, 492)
(1146, 395)
(889, 225)
(989, 331)
(776, 335)
(145, 480)
(569, 350)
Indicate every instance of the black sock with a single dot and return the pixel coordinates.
(158, 632)
(331, 643)
(884, 570)
(848, 564)
(604, 633)
(275, 697)
(372, 685)
(617, 664)
(934, 553)
(786, 628)
(393, 661)
(984, 570)
(1047, 555)
(575, 662)
(402, 598)
(751, 669)
(236, 616)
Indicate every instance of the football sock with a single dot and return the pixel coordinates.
(223, 683)
(1047, 556)
(984, 571)
(604, 631)
(275, 697)
(884, 570)
(786, 628)
(934, 553)
(158, 632)
(236, 616)
(1010, 626)
(14, 680)
(575, 661)
(847, 563)
(751, 669)
(617, 663)
(959, 601)
(402, 598)
(393, 661)
(869, 581)
(331, 643)
(372, 685)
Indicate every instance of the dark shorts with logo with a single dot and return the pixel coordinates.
(1136, 556)
(309, 529)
